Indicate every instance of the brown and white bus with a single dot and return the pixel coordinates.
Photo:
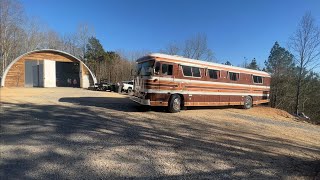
(175, 82)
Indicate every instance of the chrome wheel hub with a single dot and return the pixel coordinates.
(176, 104)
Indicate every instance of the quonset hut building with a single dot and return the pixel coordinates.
(47, 68)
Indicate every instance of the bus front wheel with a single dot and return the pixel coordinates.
(174, 104)
(247, 102)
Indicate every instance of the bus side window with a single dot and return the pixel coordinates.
(213, 74)
(196, 72)
(157, 68)
(257, 79)
(167, 69)
(234, 76)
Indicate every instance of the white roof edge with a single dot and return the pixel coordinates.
(40, 50)
(204, 62)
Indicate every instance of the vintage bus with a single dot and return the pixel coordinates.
(177, 82)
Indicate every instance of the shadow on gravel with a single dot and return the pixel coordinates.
(62, 142)
(283, 124)
(127, 105)
(118, 104)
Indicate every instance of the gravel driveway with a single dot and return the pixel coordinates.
(70, 133)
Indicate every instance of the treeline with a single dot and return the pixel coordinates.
(107, 66)
(285, 74)
(295, 78)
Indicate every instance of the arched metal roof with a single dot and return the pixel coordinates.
(44, 50)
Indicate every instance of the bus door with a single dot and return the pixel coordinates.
(157, 70)
(166, 82)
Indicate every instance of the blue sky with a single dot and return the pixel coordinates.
(235, 29)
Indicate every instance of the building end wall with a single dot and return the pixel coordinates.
(84, 76)
(14, 75)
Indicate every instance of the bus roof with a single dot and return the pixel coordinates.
(191, 62)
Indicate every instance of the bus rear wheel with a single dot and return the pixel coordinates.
(174, 105)
(247, 102)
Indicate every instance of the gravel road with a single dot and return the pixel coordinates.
(70, 133)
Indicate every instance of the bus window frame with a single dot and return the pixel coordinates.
(167, 63)
(259, 76)
(208, 74)
(154, 68)
(192, 72)
(228, 77)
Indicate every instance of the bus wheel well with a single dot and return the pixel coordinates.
(251, 98)
(182, 100)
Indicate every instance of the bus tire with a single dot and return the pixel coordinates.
(247, 104)
(174, 105)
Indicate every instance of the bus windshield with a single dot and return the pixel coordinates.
(145, 68)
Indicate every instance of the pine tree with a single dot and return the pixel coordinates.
(94, 49)
(280, 65)
(253, 65)
(279, 61)
(94, 55)
(228, 63)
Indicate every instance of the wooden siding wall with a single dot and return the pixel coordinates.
(16, 74)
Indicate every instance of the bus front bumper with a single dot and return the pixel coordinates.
(140, 101)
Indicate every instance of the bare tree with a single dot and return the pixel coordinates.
(84, 32)
(53, 40)
(133, 55)
(11, 18)
(195, 48)
(70, 42)
(35, 37)
(305, 45)
(172, 49)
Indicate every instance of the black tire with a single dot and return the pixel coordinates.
(247, 102)
(174, 105)
(129, 90)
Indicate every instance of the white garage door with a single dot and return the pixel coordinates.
(49, 68)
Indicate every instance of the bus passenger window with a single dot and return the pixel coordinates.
(196, 72)
(186, 70)
(257, 79)
(157, 68)
(233, 76)
(214, 74)
(191, 71)
(167, 69)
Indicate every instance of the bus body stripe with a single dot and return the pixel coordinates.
(161, 79)
(203, 93)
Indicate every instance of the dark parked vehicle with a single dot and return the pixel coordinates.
(102, 86)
